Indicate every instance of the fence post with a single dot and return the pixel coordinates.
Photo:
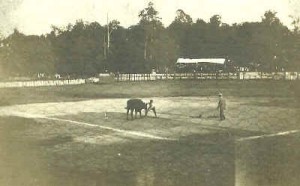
(284, 75)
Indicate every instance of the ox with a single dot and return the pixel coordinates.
(137, 105)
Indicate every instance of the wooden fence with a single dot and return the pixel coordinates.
(153, 77)
(40, 83)
(206, 76)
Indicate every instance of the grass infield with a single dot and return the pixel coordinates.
(171, 88)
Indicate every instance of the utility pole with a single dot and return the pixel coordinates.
(104, 46)
(106, 39)
(110, 27)
(108, 34)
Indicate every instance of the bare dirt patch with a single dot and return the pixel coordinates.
(242, 113)
(95, 151)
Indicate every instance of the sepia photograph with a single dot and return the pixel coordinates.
(149, 93)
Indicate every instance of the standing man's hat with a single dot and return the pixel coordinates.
(220, 94)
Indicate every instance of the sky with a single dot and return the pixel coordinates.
(35, 17)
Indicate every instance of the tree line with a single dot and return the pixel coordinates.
(86, 49)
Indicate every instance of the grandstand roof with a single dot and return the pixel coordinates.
(202, 60)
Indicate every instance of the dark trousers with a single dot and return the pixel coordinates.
(222, 115)
(153, 109)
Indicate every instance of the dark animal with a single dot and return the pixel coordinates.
(136, 105)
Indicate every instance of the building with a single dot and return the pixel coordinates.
(200, 65)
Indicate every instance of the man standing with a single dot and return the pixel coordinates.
(221, 106)
(151, 107)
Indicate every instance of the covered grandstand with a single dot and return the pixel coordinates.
(200, 65)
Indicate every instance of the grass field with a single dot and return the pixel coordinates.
(59, 135)
(249, 88)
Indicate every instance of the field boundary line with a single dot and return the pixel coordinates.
(129, 132)
(268, 135)
(126, 132)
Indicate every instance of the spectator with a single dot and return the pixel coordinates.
(221, 106)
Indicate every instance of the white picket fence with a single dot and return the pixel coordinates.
(40, 83)
(207, 76)
(272, 75)
(108, 78)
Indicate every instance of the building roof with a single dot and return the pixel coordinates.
(202, 60)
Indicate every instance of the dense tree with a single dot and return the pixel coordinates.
(179, 30)
(85, 49)
(215, 21)
(182, 17)
(79, 49)
(27, 55)
(151, 25)
(271, 36)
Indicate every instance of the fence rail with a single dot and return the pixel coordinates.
(40, 83)
(152, 77)
(206, 76)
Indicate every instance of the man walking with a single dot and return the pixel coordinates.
(221, 106)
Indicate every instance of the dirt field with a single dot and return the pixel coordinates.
(72, 143)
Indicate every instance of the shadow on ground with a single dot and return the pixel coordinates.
(29, 159)
(44, 153)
